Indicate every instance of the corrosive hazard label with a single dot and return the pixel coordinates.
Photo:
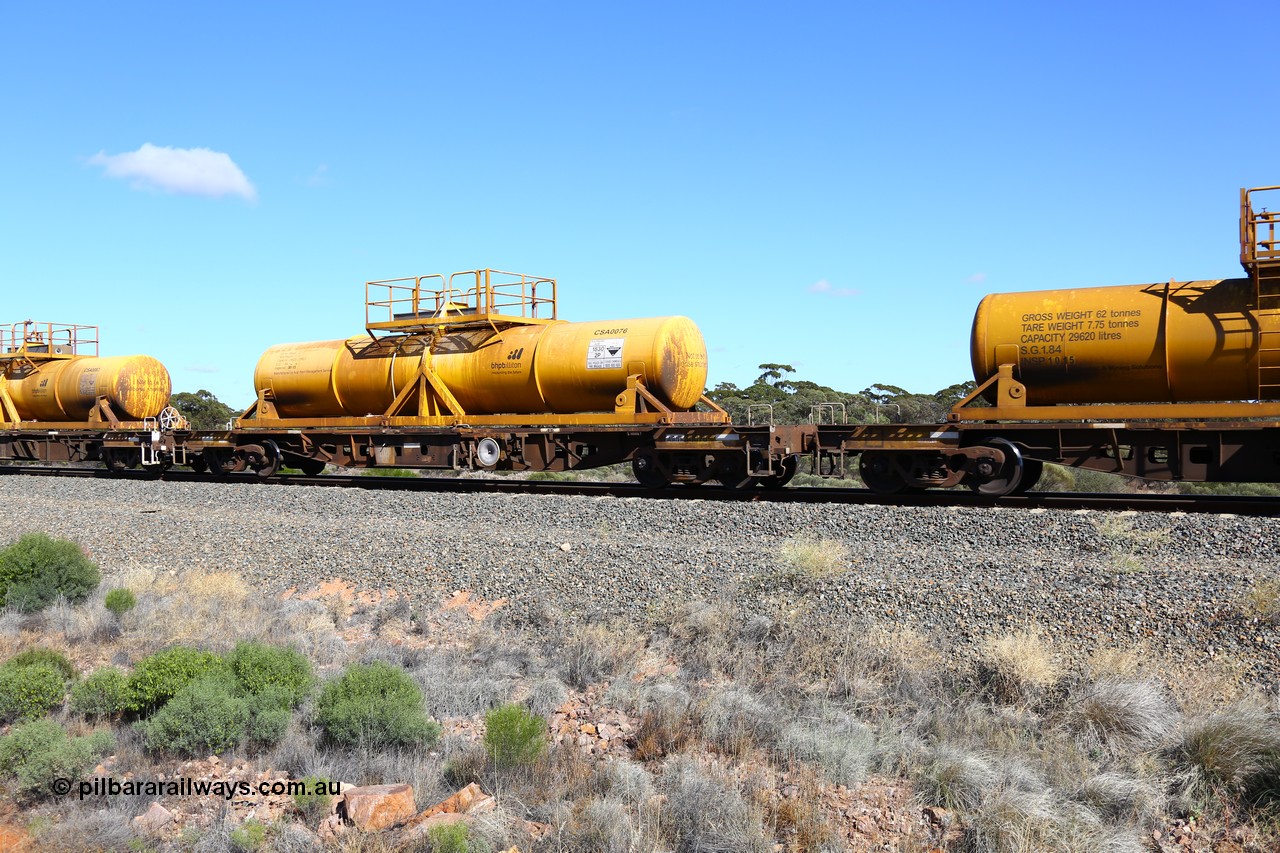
(604, 353)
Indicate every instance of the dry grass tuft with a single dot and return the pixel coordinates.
(666, 723)
(1014, 821)
(956, 780)
(608, 825)
(89, 623)
(796, 817)
(736, 720)
(706, 812)
(543, 694)
(1111, 661)
(1228, 757)
(1122, 799)
(701, 635)
(91, 828)
(1203, 689)
(1122, 715)
(1018, 668)
(595, 653)
(874, 668)
(839, 746)
(1118, 536)
(215, 610)
(807, 556)
(1262, 602)
(206, 609)
(1118, 533)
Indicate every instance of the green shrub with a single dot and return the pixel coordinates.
(159, 677)
(249, 836)
(30, 692)
(120, 601)
(37, 569)
(57, 660)
(269, 714)
(103, 693)
(376, 704)
(514, 736)
(204, 717)
(315, 798)
(260, 667)
(39, 752)
(450, 838)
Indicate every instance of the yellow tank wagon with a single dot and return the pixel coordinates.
(1194, 349)
(555, 368)
(1165, 381)
(62, 402)
(1174, 342)
(476, 370)
(50, 378)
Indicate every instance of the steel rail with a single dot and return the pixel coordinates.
(1219, 504)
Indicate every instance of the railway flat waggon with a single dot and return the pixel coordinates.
(476, 371)
(61, 402)
(1164, 381)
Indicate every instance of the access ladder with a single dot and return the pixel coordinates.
(1260, 257)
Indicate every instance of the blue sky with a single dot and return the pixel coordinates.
(829, 185)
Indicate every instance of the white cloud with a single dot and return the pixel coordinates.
(824, 286)
(977, 278)
(186, 171)
(320, 177)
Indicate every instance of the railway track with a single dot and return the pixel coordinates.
(1219, 504)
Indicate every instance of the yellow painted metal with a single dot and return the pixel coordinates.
(29, 340)
(468, 298)
(552, 422)
(136, 387)
(557, 367)
(1151, 343)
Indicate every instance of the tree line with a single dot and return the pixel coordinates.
(791, 401)
(795, 401)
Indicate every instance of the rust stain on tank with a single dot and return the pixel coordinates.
(136, 386)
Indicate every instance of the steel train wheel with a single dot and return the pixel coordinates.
(307, 465)
(221, 463)
(646, 471)
(1004, 481)
(879, 474)
(736, 474)
(1032, 469)
(789, 465)
(272, 458)
(116, 460)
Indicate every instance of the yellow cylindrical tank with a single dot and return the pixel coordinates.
(1145, 343)
(553, 368)
(137, 387)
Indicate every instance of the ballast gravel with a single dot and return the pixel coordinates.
(1177, 583)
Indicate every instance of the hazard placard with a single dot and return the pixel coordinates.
(604, 354)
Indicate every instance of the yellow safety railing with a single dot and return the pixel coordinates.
(1258, 241)
(30, 339)
(472, 294)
